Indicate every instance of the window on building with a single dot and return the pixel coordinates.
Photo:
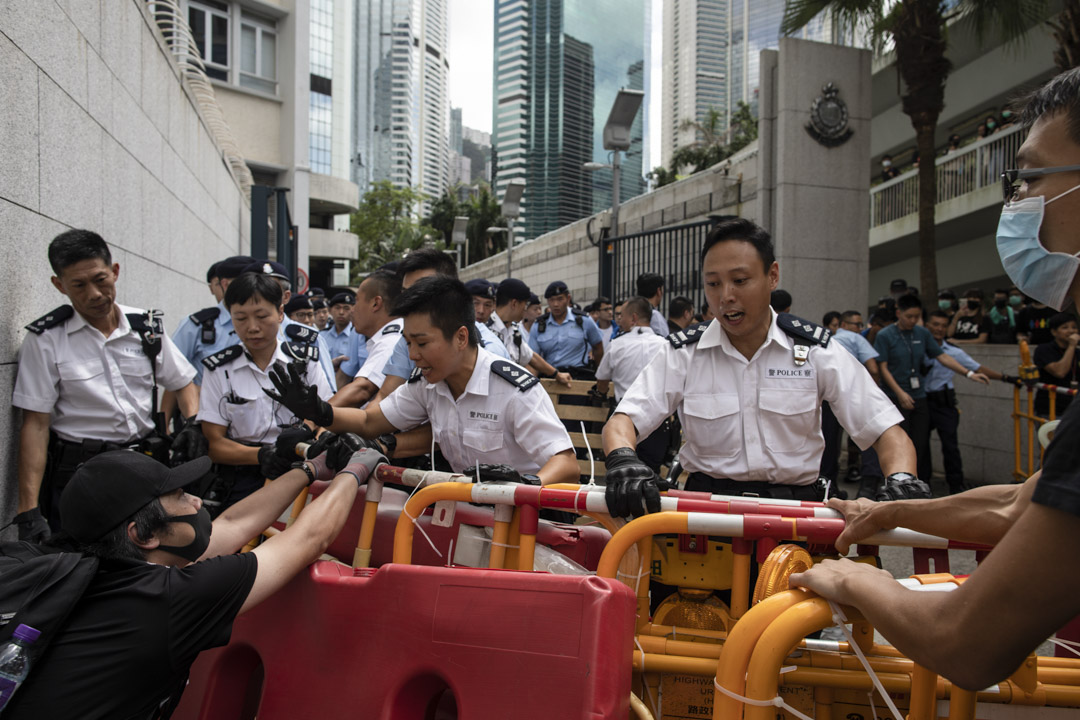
(258, 54)
(209, 23)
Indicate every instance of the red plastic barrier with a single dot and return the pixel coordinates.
(406, 642)
(582, 544)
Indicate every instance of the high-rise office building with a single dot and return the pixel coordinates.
(401, 109)
(558, 65)
(455, 130)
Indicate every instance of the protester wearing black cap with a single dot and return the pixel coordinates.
(565, 339)
(299, 309)
(338, 332)
(206, 332)
(88, 378)
(241, 423)
(169, 582)
(483, 294)
(511, 300)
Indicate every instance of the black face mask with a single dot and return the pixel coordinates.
(973, 304)
(1000, 303)
(203, 526)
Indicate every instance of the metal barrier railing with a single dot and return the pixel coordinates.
(971, 168)
(1026, 421)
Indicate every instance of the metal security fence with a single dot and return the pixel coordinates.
(671, 252)
(971, 168)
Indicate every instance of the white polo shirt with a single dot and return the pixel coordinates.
(380, 347)
(514, 338)
(627, 356)
(232, 395)
(496, 420)
(95, 387)
(757, 419)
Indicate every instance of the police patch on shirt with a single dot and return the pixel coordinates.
(474, 415)
(788, 372)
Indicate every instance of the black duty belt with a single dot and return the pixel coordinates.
(67, 452)
(700, 482)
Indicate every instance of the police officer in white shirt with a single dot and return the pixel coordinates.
(374, 319)
(88, 378)
(482, 409)
(511, 300)
(240, 421)
(748, 389)
(650, 286)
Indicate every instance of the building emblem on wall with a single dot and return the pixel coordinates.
(829, 118)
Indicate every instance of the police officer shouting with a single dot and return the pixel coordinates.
(88, 379)
(565, 339)
(748, 389)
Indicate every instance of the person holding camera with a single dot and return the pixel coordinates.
(969, 326)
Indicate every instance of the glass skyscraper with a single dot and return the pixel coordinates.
(558, 65)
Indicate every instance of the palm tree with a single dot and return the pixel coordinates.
(1066, 31)
(917, 30)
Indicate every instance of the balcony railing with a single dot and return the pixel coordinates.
(966, 170)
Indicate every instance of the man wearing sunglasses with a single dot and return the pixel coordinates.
(1038, 240)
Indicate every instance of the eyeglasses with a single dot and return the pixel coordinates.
(1011, 179)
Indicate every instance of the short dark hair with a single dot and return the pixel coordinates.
(906, 302)
(600, 301)
(741, 229)
(648, 283)
(848, 314)
(428, 259)
(938, 314)
(384, 284)
(1060, 94)
(680, 306)
(446, 302)
(974, 293)
(704, 307)
(882, 317)
(1000, 291)
(780, 300)
(1060, 319)
(211, 273)
(117, 545)
(73, 246)
(639, 305)
(253, 285)
(830, 316)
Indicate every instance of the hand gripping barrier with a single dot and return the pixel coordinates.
(398, 642)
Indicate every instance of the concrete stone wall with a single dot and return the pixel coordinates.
(98, 132)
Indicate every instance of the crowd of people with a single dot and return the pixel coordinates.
(161, 456)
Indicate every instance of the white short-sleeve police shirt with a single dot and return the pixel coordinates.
(93, 387)
(380, 347)
(757, 419)
(627, 356)
(232, 395)
(493, 421)
(514, 338)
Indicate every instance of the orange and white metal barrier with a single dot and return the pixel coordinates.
(1025, 421)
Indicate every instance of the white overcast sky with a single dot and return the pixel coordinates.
(472, 32)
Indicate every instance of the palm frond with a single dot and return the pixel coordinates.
(1011, 19)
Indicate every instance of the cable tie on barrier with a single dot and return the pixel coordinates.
(1067, 644)
(417, 525)
(588, 449)
(788, 668)
(648, 690)
(637, 578)
(840, 619)
(776, 701)
(828, 485)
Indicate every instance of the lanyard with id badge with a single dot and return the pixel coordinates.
(914, 380)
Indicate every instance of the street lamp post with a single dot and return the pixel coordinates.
(459, 238)
(511, 208)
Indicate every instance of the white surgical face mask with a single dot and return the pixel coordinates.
(1038, 273)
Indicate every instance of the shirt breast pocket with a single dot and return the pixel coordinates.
(711, 424)
(484, 441)
(133, 366)
(788, 418)
(246, 421)
(81, 371)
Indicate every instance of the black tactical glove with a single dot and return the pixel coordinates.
(597, 398)
(902, 486)
(632, 487)
(290, 437)
(503, 473)
(339, 448)
(300, 398)
(189, 442)
(1011, 379)
(271, 464)
(32, 526)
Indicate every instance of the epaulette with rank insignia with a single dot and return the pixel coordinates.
(300, 351)
(415, 375)
(51, 320)
(205, 315)
(801, 329)
(689, 336)
(213, 362)
(302, 333)
(391, 329)
(514, 374)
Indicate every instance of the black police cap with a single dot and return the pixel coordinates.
(343, 298)
(233, 267)
(556, 288)
(481, 288)
(298, 302)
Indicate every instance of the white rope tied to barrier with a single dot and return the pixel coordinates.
(777, 701)
(1069, 645)
(648, 690)
(417, 525)
(840, 620)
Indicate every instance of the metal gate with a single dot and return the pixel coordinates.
(671, 252)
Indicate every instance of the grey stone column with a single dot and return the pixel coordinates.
(815, 199)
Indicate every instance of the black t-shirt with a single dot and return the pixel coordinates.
(126, 650)
(1002, 332)
(1044, 355)
(1059, 485)
(969, 328)
(1035, 323)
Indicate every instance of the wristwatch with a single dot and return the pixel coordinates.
(389, 442)
(302, 465)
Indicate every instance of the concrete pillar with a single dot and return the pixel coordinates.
(814, 198)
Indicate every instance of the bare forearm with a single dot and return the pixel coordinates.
(412, 443)
(187, 398)
(249, 517)
(619, 432)
(1060, 368)
(895, 451)
(33, 448)
(542, 367)
(992, 374)
(560, 468)
(230, 452)
(981, 515)
(890, 382)
(390, 384)
(355, 394)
